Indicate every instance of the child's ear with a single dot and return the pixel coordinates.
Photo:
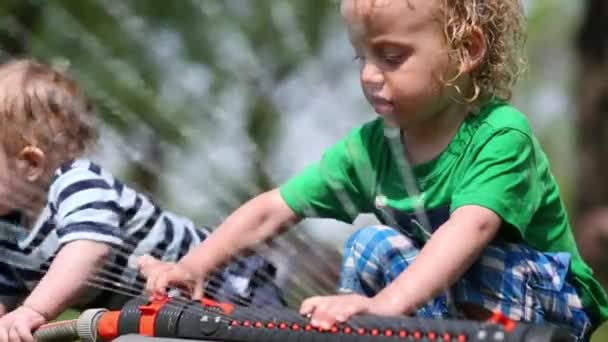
(475, 50)
(32, 163)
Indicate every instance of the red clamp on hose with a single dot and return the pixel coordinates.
(148, 316)
(499, 318)
(225, 307)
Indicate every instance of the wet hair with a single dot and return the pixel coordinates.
(503, 25)
(504, 28)
(42, 107)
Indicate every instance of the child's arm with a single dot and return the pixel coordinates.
(75, 263)
(67, 276)
(261, 218)
(451, 250)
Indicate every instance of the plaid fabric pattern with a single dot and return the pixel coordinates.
(513, 279)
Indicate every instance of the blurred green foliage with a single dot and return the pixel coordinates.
(137, 59)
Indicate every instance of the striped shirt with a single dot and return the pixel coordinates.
(85, 202)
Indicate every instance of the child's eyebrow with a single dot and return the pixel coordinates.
(390, 41)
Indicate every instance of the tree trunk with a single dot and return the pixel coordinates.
(592, 137)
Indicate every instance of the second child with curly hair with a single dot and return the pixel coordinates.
(475, 226)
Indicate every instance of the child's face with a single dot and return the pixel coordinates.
(403, 56)
(7, 180)
(21, 179)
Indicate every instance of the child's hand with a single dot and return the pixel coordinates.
(17, 326)
(160, 275)
(328, 310)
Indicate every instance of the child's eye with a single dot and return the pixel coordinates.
(392, 55)
(393, 59)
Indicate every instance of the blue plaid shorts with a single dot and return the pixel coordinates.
(517, 281)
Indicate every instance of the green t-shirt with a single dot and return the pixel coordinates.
(493, 161)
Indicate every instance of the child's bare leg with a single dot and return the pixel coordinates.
(474, 312)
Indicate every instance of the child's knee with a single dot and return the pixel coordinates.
(379, 245)
(379, 238)
(367, 235)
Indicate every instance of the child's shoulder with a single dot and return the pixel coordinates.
(79, 174)
(81, 168)
(502, 116)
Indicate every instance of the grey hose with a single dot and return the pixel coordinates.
(58, 331)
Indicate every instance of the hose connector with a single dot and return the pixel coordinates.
(86, 325)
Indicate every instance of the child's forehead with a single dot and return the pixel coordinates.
(364, 17)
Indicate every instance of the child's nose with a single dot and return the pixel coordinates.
(371, 75)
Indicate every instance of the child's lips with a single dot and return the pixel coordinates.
(382, 106)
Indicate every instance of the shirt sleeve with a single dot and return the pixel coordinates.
(86, 208)
(330, 187)
(503, 178)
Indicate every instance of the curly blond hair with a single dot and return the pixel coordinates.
(503, 25)
(42, 107)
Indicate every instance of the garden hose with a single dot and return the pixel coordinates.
(83, 329)
(211, 321)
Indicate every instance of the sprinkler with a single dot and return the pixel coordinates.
(207, 320)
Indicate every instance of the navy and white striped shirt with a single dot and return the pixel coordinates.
(85, 202)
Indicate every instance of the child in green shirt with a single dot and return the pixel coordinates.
(478, 215)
